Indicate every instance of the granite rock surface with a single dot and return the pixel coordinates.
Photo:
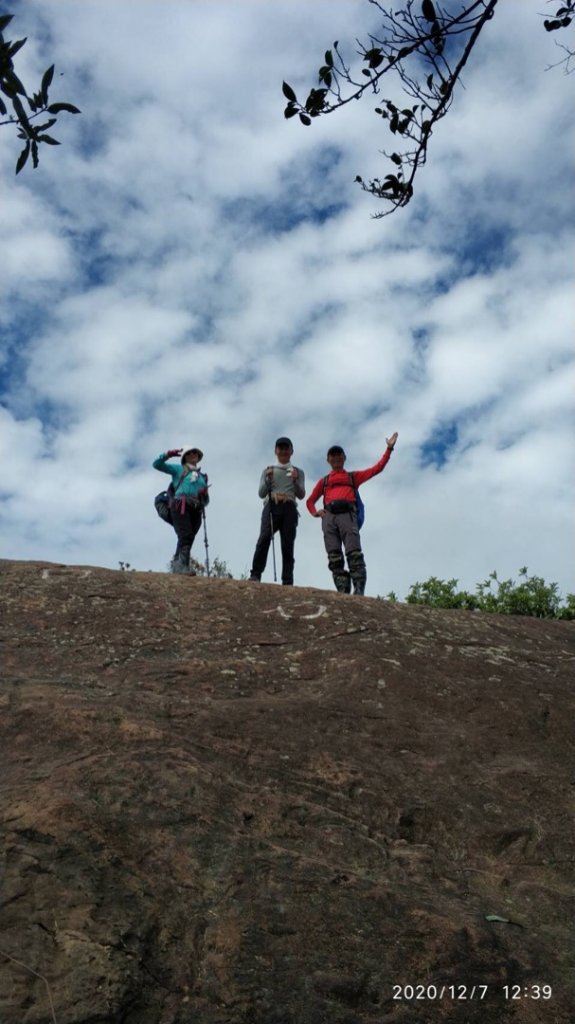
(231, 803)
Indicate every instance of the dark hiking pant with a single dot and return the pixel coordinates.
(340, 530)
(186, 524)
(283, 517)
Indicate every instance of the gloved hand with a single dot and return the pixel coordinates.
(172, 452)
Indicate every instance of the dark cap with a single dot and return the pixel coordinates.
(284, 442)
(335, 449)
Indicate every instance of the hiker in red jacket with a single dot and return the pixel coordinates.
(339, 517)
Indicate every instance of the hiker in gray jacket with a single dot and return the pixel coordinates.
(280, 485)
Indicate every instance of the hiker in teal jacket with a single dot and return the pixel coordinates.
(190, 491)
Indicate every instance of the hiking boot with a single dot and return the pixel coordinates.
(341, 577)
(342, 582)
(181, 564)
(358, 572)
(180, 569)
(254, 578)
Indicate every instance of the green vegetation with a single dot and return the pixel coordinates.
(530, 596)
(218, 568)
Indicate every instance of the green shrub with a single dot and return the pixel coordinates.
(530, 596)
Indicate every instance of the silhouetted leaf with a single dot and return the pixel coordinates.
(56, 108)
(48, 139)
(437, 37)
(315, 101)
(44, 127)
(396, 159)
(428, 10)
(290, 111)
(325, 75)
(15, 47)
(46, 82)
(20, 112)
(329, 58)
(23, 158)
(305, 119)
(12, 85)
(5, 20)
(288, 92)
(374, 56)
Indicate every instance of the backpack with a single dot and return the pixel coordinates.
(162, 500)
(162, 504)
(359, 506)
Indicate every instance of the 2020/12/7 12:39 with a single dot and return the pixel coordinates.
(463, 992)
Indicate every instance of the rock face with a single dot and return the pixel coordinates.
(231, 803)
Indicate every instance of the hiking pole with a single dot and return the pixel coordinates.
(206, 542)
(270, 480)
(273, 545)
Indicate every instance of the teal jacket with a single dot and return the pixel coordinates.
(186, 483)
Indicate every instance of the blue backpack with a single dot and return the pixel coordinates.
(359, 506)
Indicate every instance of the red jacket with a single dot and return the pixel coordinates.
(339, 486)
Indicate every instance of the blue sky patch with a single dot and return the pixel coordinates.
(435, 450)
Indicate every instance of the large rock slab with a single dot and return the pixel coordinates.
(231, 803)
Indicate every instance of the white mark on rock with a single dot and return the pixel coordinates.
(315, 615)
(286, 615)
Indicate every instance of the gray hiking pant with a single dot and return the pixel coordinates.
(341, 529)
(338, 530)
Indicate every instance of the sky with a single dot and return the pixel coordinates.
(188, 267)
